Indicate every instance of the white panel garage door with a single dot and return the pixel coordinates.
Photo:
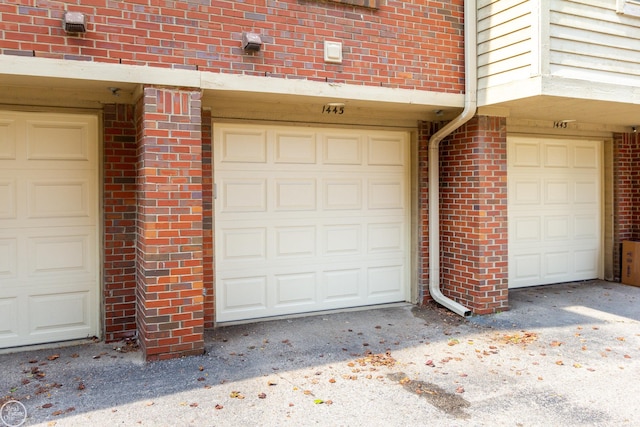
(48, 233)
(554, 210)
(309, 219)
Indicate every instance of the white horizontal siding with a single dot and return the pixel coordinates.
(589, 41)
(505, 42)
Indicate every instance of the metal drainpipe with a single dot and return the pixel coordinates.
(470, 105)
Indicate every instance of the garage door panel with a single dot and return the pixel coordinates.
(244, 195)
(566, 203)
(8, 319)
(525, 154)
(63, 254)
(320, 233)
(295, 241)
(58, 140)
(343, 194)
(8, 258)
(60, 312)
(386, 151)
(51, 198)
(243, 146)
(339, 149)
(8, 201)
(8, 139)
(295, 289)
(295, 147)
(296, 194)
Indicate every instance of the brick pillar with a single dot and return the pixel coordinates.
(207, 220)
(473, 214)
(119, 209)
(170, 311)
(626, 188)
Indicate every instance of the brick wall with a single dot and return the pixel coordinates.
(207, 220)
(119, 210)
(170, 316)
(626, 202)
(409, 44)
(473, 214)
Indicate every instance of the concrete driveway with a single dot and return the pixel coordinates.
(563, 355)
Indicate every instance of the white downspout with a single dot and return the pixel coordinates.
(470, 105)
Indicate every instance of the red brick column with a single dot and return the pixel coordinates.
(473, 214)
(207, 220)
(626, 188)
(169, 246)
(119, 209)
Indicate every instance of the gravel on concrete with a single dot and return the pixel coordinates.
(563, 355)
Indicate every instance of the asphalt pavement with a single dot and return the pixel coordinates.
(563, 355)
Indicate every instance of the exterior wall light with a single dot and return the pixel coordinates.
(251, 42)
(74, 22)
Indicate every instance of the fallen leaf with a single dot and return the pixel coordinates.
(620, 338)
(194, 405)
(460, 389)
(56, 413)
(577, 365)
(556, 343)
(47, 405)
(328, 402)
(201, 379)
(318, 401)
(271, 383)
(559, 362)
(81, 386)
(219, 406)
(626, 356)
(453, 342)
(51, 423)
(307, 392)
(332, 380)
(236, 395)
(262, 396)
(201, 368)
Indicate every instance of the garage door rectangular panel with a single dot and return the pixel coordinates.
(57, 140)
(295, 148)
(243, 293)
(8, 259)
(523, 154)
(341, 149)
(8, 139)
(239, 145)
(557, 227)
(58, 198)
(585, 262)
(586, 157)
(8, 318)
(59, 312)
(526, 191)
(586, 227)
(342, 285)
(385, 237)
(296, 195)
(556, 192)
(8, 198)
(585, 192)
(557, 265)
(343, 194)
(244, 244)
(295, 241)
(295, 289)
(526, 266)
(556, 155)
(386, 194)
(244, 195)
(343, 239)
(385, 280)
(386, 151)
(64, 254)
(526, 229)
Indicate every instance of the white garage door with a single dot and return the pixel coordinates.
(48, 233)
(309, 219)
(554, 210)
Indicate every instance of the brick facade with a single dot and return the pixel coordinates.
(406, 44)
(626, 190)
(170, 311)
(473, 214)
(119, 216)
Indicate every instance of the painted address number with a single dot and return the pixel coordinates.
(333, 109)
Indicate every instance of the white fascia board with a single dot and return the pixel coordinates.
(96, 71)
(338, 91)
(511, 91)
(588, 90)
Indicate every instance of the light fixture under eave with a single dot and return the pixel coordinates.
(74, 22)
